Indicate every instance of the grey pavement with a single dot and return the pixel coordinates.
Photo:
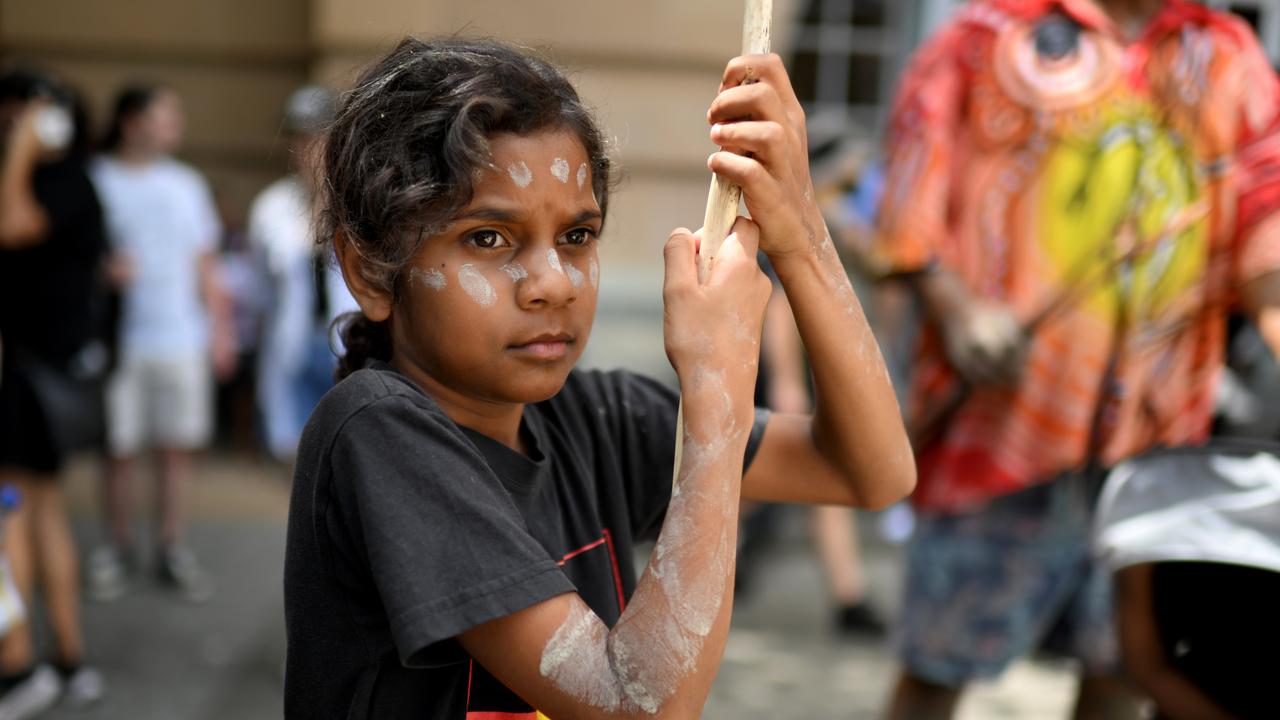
(165, 659)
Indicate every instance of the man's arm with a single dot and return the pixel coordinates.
(1143, 658)
(1261, 300)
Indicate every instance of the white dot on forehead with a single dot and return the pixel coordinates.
(560, 169)
(582, 175)
(520, 174)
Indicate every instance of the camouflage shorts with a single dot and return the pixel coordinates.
(987, 587)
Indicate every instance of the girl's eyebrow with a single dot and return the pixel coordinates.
(509, 216)
(585, 216)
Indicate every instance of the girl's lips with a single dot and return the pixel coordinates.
(546, 348)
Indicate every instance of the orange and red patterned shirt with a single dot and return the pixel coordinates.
(1114, 193)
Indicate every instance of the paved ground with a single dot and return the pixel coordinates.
(165, 660)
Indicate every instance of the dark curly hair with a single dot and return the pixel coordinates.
(401, 158)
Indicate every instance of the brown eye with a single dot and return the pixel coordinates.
(487, 239)
(579, 236)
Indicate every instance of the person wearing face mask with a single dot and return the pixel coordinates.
(51, 249)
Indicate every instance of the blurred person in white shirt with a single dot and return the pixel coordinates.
(297, 360)
(175, 331)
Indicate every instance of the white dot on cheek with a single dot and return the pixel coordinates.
(593, 272)
(476, 285)
(575, 275)
(431, 278)
(553, 261)
(515, 271)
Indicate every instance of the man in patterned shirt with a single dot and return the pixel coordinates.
(1080, 192)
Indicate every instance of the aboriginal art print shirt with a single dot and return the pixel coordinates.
(1114, 192)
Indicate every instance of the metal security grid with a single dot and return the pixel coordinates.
(1263, 15)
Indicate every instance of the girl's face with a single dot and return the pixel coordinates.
(498, 307)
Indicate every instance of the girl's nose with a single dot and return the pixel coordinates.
(548, 282)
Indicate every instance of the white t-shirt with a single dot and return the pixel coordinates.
(162, 216)
(280, 227)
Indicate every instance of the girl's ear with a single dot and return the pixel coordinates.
(375, 303)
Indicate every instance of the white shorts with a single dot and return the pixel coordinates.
(165, 404)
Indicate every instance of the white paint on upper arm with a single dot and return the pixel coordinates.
(576, 660)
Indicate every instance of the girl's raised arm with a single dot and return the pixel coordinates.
(854, 449)
(660, 658)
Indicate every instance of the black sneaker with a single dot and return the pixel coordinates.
(859, 620)
(178, 568)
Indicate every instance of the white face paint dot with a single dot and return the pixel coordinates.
(593, 273)
(430, 277)
(582, 175)
(553, 261)
(476, 285)
(515, 271)
(575, 275)
(560, 169)
(520, 174)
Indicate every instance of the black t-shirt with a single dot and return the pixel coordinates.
(1219, 626)
(48, 292)
(406, 530)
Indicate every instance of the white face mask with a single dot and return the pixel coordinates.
(54, 127)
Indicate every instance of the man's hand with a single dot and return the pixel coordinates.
(985, 343)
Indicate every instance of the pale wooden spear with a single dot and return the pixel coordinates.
(722, 201)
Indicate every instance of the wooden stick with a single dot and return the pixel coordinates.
(724, 197)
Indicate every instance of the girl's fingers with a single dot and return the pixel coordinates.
(766, 140)
(749, 102)
(747, 173)
(748, 234)
(680, 258)
(767, 69)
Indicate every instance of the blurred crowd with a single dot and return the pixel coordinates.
(1069, 247)
(138, 323)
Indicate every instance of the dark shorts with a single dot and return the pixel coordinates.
(987, 587)
(25, 441)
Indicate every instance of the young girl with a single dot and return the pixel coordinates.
(465, 505)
